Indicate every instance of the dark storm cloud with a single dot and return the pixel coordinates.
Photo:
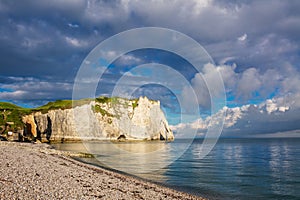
(37, 39)
(48, 34)
(255, 122)
(49, 39)
(30, 88)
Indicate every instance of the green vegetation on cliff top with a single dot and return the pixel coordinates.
(11, 115)
(62, 104)
(6, 105)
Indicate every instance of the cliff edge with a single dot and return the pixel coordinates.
(100, 119)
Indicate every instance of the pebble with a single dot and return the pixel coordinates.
(36, 171)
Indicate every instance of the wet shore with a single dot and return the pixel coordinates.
(37, 171)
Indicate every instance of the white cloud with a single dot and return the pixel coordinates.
(20, 88)
(243, 38)
(129, 60)
(73, 25)
(199, 5)
(271, 105)
(229, 76)
(76, 42)
(277, 114)
(248, 120)
(252, 33)
(12, 95)
(248, 83)
(206, 84)
(252, 82)
(226, 59)
(97, 12)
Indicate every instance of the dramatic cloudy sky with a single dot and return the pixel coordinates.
(255, 46)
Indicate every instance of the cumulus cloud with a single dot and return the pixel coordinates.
(269, 117)
(243, 37)
(254, 43)
(73, 25)
(28, 89)
(216, 24)
(246, 85)
(75, 42)
(276, 114)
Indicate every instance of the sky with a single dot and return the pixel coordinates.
(255, 46)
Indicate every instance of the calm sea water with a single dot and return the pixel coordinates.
(234, 169)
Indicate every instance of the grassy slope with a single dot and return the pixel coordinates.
(61, 104)
(12, 113)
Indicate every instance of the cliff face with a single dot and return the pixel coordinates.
(140, 119)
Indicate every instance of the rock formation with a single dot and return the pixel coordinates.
(30, 125)
(104, 118)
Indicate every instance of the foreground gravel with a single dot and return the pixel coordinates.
(36, 171)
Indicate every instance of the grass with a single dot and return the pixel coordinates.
(103, 112)
(13, 113)
(59, 104)
(135, 103)
(112, 100)
(103, 99)
(6, 105)
(62, 104)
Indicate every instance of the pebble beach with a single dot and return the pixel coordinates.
(37, 171)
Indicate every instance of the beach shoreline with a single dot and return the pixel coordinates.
(37, 171)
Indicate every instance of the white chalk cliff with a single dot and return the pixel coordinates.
(140, 119)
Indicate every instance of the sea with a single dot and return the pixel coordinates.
(247, 168)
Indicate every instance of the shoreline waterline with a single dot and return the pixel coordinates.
(38, 171)
(153, 174)
(236, 168)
